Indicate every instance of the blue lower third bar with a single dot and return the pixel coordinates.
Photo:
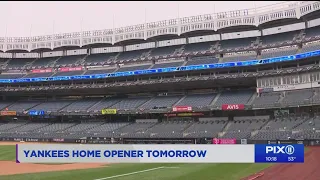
(279, 153)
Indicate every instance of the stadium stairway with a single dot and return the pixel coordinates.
(54, 73)
(8, 105)
(253, 133)
(258, 56)
(34, 105)
(297, 125)
(29, 64)
(216, 46)
(93, 106)
(253, 97)
(145, 54)
(225, 129)
(64, 107)
(187, 127)
(221, 134)
(129, 124)
(215, 99)
(263, 126)
(117, 69)
(299, 50)
(256, 42)
(82, 61)
(5, 64)
(114, 58)
(180, 101)
(300, 36)
(184, 63)
(281, 98)
(151, 99)
(53, 63)
(83, 72)
(179, 50)
(62, 130)
(146, 130)
(16, 126)
(84, 130)
(24, 75)
(87, 130)
(151, 66)
(36, 130)
(314, 94)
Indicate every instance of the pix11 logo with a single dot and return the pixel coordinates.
(289, 149)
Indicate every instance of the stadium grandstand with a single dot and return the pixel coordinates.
(244, 75)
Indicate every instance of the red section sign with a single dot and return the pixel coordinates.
(181, 108)
(66, 69)
(224, 141)
(232, 107)
(41, 70)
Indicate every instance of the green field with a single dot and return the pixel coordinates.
(140, 171)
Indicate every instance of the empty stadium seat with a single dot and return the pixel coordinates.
(202, 60)
(166, 65)
(197, 100)
(234, 97)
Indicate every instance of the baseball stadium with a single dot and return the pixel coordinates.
(239, 77)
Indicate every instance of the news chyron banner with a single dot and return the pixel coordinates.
(108, 111)
(279, 153)
(156, 153)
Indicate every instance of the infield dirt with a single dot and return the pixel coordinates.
(309, 170)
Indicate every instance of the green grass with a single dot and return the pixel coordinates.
(183, 172)
(7, 153)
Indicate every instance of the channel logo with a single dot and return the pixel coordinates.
(289, 149)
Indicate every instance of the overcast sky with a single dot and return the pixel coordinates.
(39, 18)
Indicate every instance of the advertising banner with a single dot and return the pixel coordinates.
(181, 108)
(190, 114)
(184, 114)
(109, 111)
(66, 69)
(224, 141)
(264, 90)
(8, 113)
(58, 140)
(36, 113)
(232, 106)
(296, 86)
(41, 70)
